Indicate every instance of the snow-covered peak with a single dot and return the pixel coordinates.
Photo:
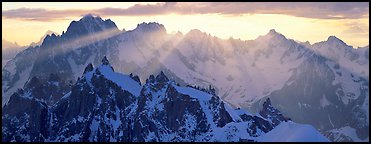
(335, 40)
(106, 63)
(126, 82)
(90, 16)
(272, 36)
(89, 24)
(273, 32)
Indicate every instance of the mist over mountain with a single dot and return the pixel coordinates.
(9, 50)
(49, 32)
(324, 84)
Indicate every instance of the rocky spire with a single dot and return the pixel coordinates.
(89, 68)
(161, 78)
(106, 62)
(270, 112)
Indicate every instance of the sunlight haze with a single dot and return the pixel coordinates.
(245, 26)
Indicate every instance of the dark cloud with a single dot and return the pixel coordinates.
(319, 10)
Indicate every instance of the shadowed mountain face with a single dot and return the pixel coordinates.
(107, 106)
(8, 51)
(314, 84)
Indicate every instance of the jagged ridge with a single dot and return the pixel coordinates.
(107, 106)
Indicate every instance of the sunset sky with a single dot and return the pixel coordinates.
(314, 22)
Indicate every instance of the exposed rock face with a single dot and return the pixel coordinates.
(271, 113)
(107, 106)
(26, 117)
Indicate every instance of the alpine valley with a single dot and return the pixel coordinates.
(95, 82)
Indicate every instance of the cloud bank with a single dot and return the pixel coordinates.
(316, 10)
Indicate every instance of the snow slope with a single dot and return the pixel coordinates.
(292, 132)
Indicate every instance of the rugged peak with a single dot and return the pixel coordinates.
(49, 32)
(273, 36)
(150, 79)
(161, 78)
(271, 113)
(90, 16)
(89, 68)
(335, 40)
(50, 39)
(150, 27)
(105, 61)
(267, 103)
(89, 24)
(135, 77)
(272, 31)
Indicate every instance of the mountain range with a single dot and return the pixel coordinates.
(324, 84)
(107, 106)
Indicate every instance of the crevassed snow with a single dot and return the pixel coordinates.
(292, 132)
(347, 83)
(124, 81)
